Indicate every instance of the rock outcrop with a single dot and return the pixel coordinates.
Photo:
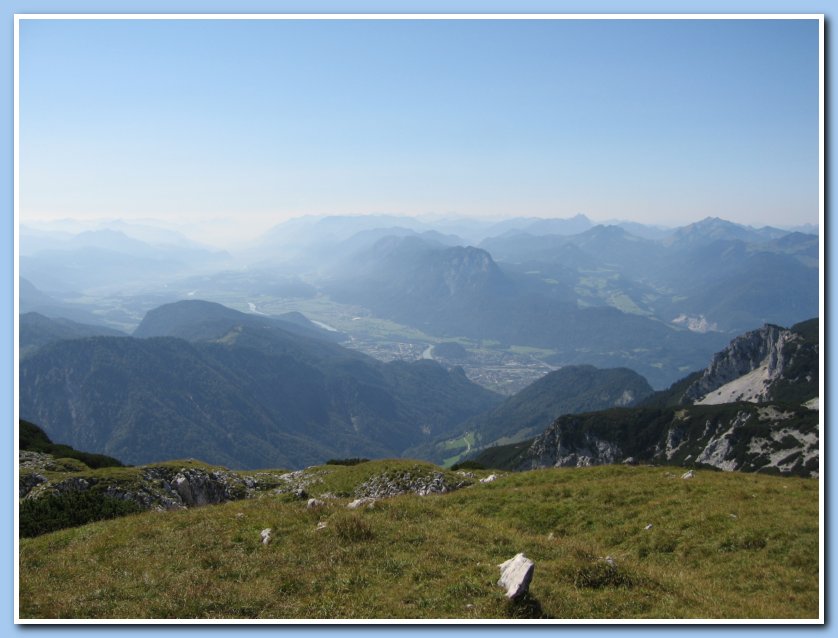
(750, 367)
(420, 480)
(158, 487)
(758, 437)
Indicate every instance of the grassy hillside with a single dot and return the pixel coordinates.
(720, 545)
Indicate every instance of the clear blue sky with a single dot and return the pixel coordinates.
(656, 121)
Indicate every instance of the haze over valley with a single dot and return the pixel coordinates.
(395, 331)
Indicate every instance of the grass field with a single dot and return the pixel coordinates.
(720, 545)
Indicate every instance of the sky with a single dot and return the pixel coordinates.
(255, 122)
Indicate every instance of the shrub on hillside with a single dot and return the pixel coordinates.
(353, 461)
(58, 511)
(468, 465)
(33, 438)
(352, 528)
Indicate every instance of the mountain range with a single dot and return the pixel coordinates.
(200, 380)
(658, 301)
(754, 408)
(462, 291)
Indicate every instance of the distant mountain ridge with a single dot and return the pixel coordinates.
(36, 330)
(239, 390)
(730, 275)
(462, 291)
(196, 319)
(569, 390)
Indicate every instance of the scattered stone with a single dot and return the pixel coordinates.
(609, 561)
(320, 525)
(265, 535)
(416, 480)
(515, 575)
(300, 493)
(630, 461)
(361, 502)
(489, 479)
(469, 606)
(648, 527)
(688, 474)
(314, 503)
(239, 514)
(733, 516)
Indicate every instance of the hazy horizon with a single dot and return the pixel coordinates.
(661, 122)
(225, 232)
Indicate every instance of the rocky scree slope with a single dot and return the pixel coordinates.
(758, 366)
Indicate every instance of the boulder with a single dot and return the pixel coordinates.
(361, 502)
(515, 575)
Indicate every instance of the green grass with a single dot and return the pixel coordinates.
(461, 446)
(722, 545)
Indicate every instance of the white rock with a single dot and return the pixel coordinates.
(649, 526)
(515, 575)
(320, 525)
(314, 503)
(361, 502)
(265, 535)
(489, 479)
(687, 475)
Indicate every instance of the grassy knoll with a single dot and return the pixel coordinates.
(721, 545)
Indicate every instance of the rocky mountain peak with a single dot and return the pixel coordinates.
(747, 368)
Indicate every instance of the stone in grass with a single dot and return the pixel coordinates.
(361, 502)
(265, 535)
(314, 503)
(515, 575)
(489, 479)
(687, 475)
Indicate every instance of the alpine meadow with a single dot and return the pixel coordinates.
(413, 319)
